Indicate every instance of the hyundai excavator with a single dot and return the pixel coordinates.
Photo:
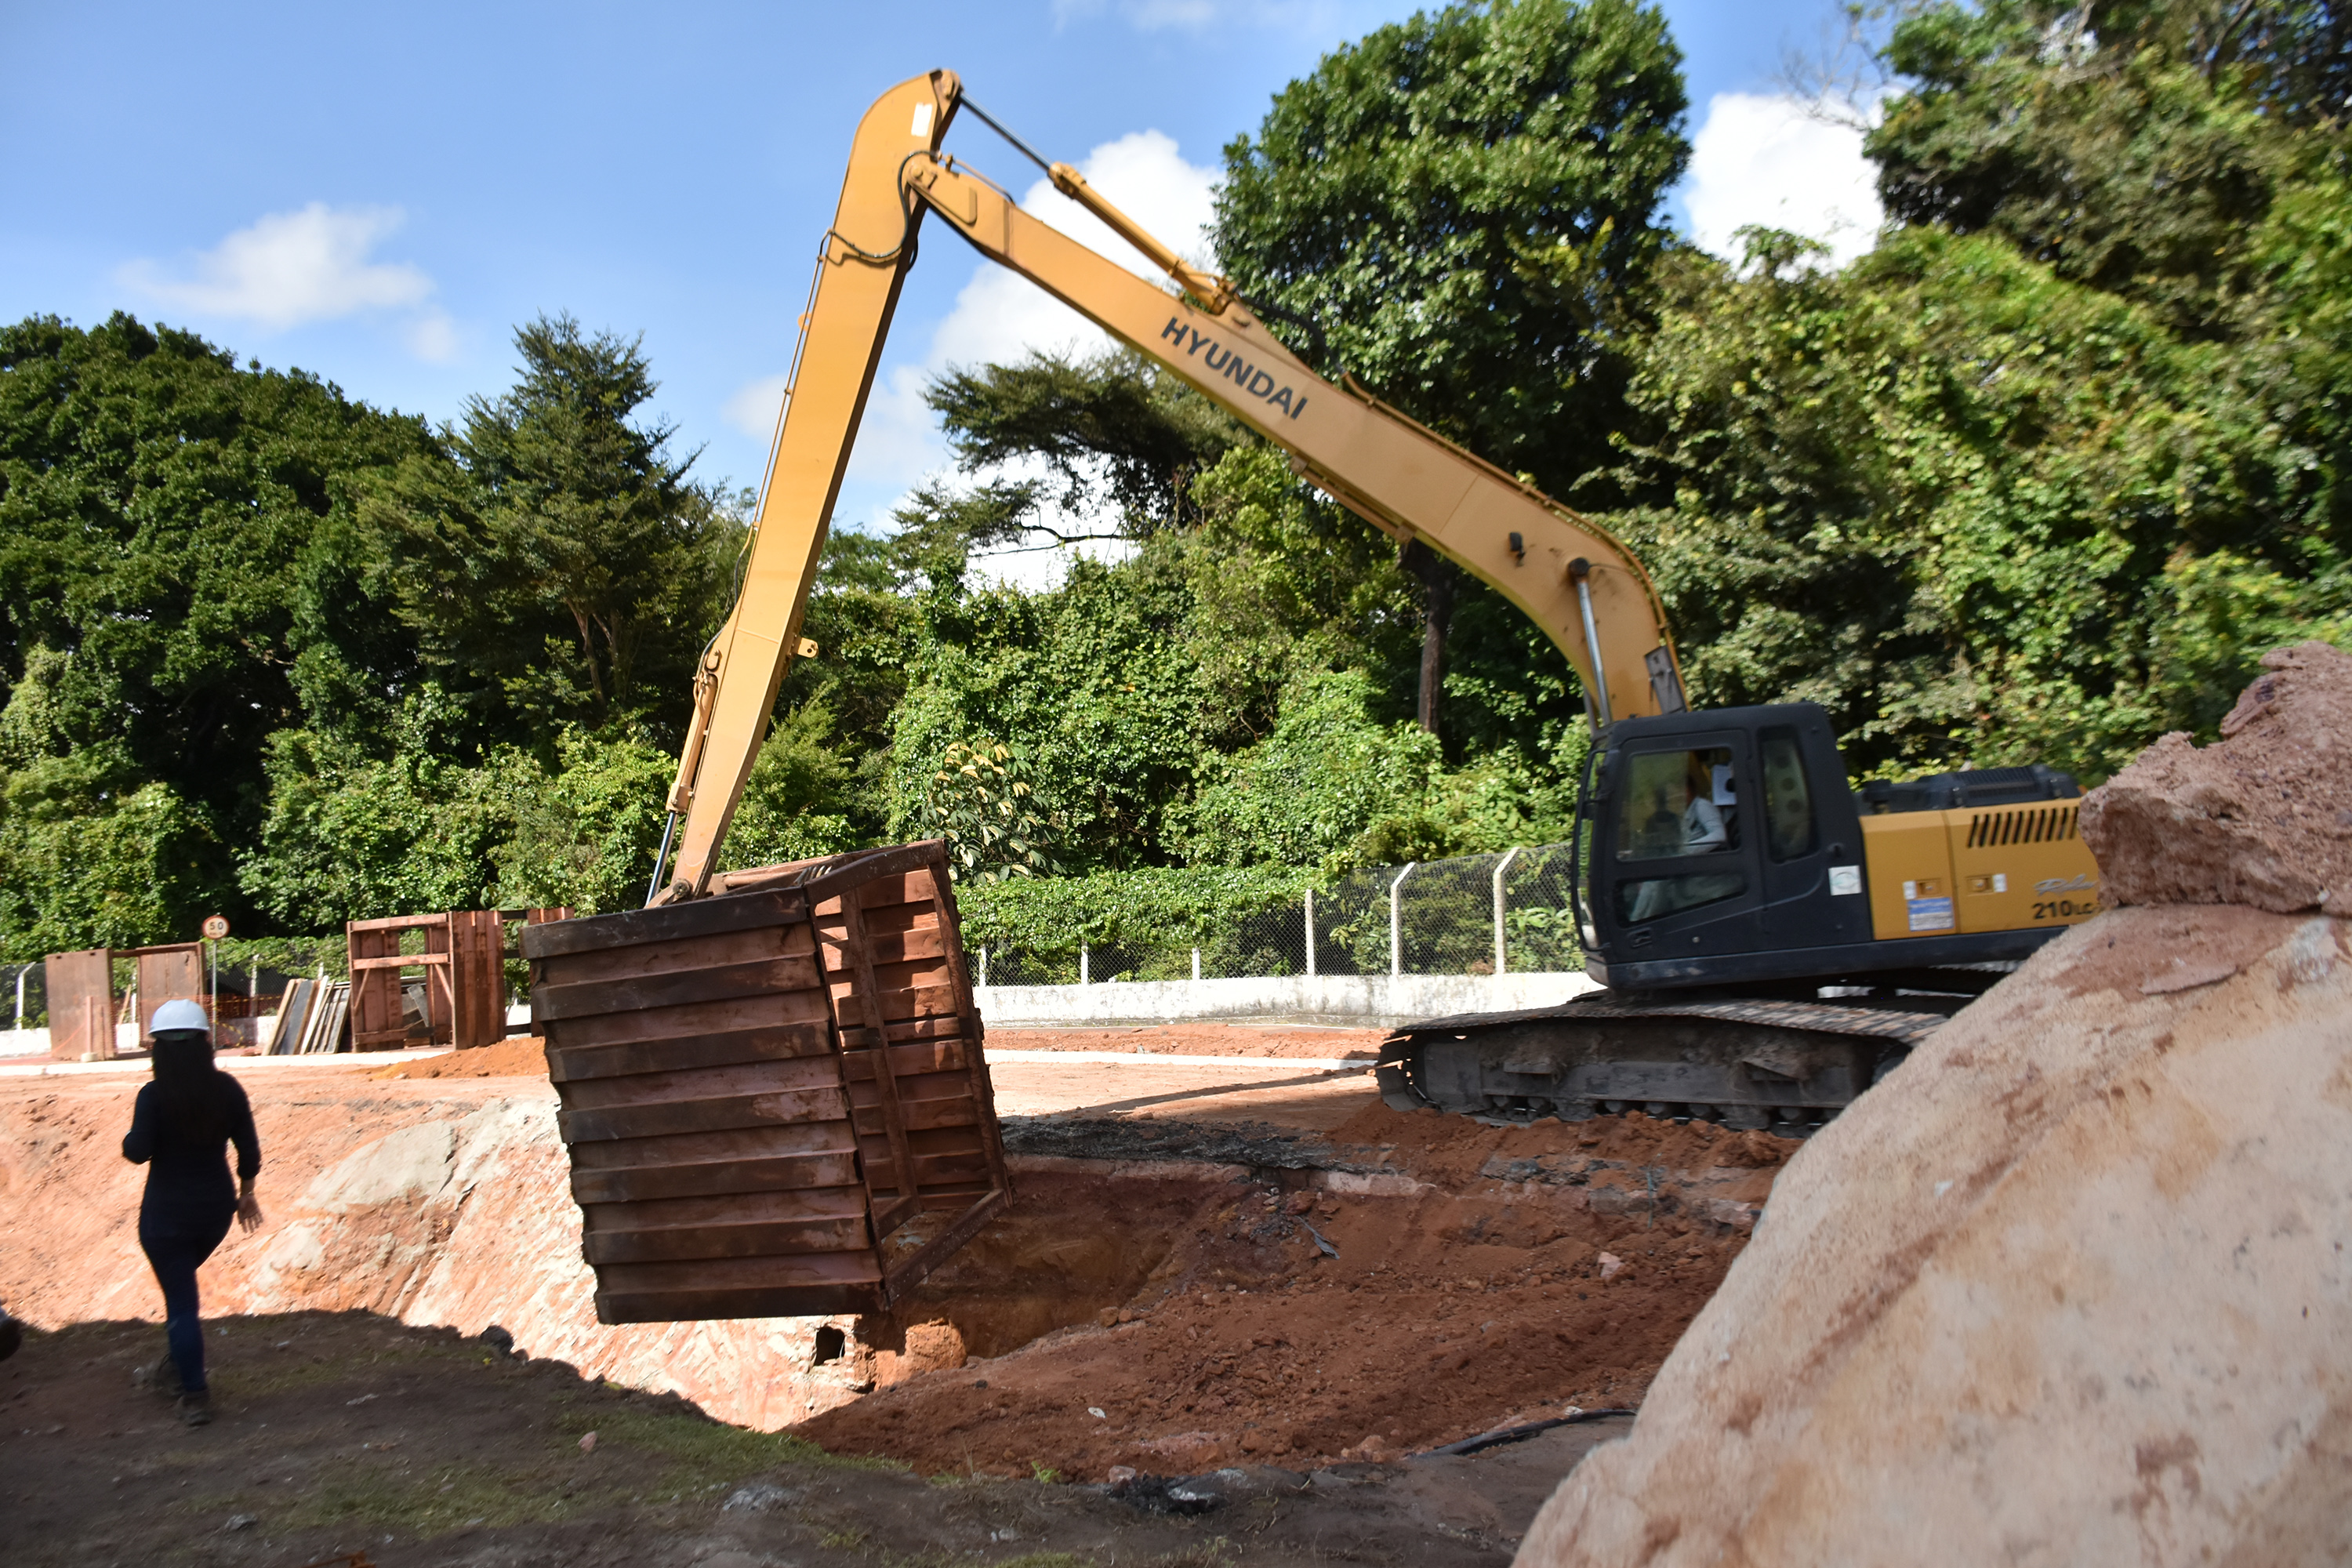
(1768, 941)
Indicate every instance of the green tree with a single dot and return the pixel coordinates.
(1117, 432)
(1979, 511)
(1089, 683)
(798, 804)
(558, 566)
(1333, 789)
(1463, 205)
(980, 801)
(351, 834)
(2130, 146)
(181, 576)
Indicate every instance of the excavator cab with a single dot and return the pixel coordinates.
(1771, 941)
(1726, 847)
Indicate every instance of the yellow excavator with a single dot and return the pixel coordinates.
(1769, 941)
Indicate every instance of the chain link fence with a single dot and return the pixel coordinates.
(1473, 914)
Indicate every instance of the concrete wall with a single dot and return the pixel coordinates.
(1361, 1001)
(1364, 1000)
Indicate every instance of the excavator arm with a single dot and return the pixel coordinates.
(1580, 584)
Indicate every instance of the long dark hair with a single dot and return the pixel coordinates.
(188, 1086)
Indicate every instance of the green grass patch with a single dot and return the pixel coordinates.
(704, 1448)
(435, 1502)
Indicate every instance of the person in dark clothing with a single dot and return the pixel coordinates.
(181, 1128)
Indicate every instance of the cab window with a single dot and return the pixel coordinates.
(1789, 829)
(1678, 803)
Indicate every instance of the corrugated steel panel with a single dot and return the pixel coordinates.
(745, 1078)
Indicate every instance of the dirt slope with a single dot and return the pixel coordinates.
(2262, 819)
(434, 1202)
(1467, 1290)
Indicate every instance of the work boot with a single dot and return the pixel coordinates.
(163, 1378)
(196, 1409)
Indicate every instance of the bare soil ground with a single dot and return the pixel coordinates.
(1163, 1296)
(341, 1432)
(524, 1055)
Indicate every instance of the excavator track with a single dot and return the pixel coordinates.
(1749, 1063)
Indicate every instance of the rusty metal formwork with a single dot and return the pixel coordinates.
(173, 972)
(80, 990)
(83, 1004)
(465, 978)
(760, 1088)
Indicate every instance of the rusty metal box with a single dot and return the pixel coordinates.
(758, 1087)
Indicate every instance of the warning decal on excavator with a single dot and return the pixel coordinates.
(1931, 914)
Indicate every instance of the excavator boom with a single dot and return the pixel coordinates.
(1580, 585)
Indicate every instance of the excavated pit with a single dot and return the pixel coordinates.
(1403, 1282)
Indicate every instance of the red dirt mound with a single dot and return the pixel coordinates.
(2256, 818)
(525, 1056)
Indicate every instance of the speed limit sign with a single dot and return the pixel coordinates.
(216, 927)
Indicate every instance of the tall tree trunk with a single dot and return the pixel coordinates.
(1438, 577)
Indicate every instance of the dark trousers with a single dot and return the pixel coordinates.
(177, 1246)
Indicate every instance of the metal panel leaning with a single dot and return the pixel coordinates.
(760, 1088)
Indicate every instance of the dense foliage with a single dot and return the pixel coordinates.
(1462, 204)
(2036, 479)
(273, 654)
(2040, 478)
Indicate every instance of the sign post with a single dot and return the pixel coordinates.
(216, 927)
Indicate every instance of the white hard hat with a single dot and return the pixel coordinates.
(179, 1013)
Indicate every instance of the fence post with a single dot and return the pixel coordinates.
(1196, 964)
(1396, 918)
(983, 964)
(1082, 961)
(1499, 869)
(1310, 933)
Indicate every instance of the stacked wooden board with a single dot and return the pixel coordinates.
(760, 1088)
(312, 1018)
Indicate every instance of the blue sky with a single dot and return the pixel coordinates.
(379, 193)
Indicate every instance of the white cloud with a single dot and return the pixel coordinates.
(292, 269)
(432, 337)
(1767, 160)
(754, 408)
